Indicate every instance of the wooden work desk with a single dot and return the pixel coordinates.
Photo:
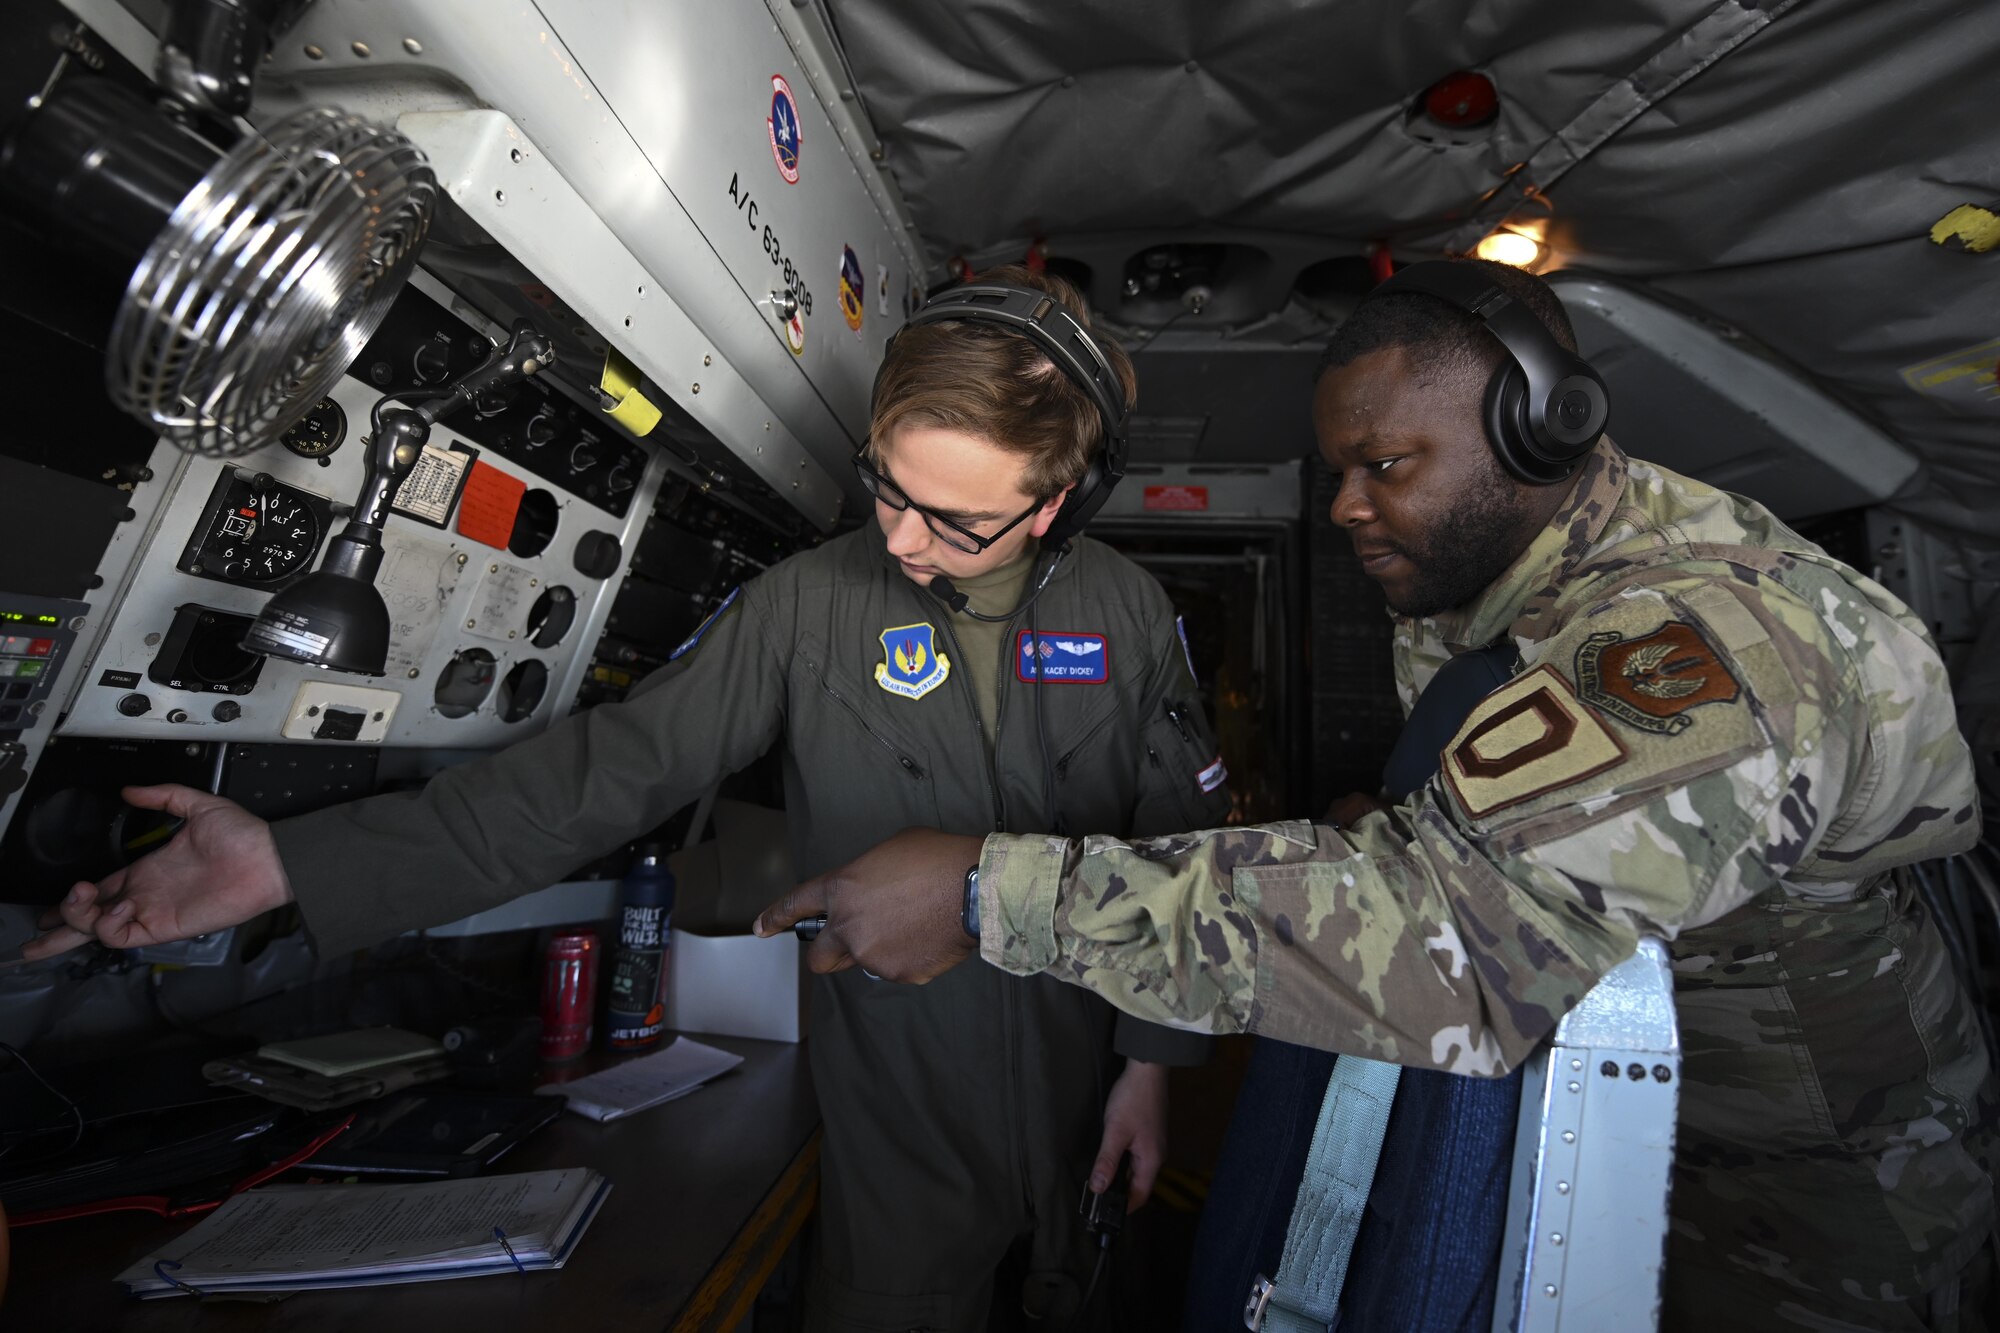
(707, 1192)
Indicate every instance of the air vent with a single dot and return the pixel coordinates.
(1166, 439)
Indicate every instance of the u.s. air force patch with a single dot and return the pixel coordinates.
(1651, 682)
(1530, 736)
(911, 664)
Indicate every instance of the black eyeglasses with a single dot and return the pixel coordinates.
(948, 532)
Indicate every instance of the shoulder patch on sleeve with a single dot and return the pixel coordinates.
(1180, 628)
(687, 644)
(1530, 736)
(1652, 681)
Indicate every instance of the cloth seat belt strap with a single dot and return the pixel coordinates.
(1333, 1195)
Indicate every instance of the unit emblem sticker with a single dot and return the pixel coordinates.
(853, 299)
(783, 125)
(911, 664)
(1651, 682)
(1530, 736)
(1053, 658)
(795, 331)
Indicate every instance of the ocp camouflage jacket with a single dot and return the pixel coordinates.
(1719, 735)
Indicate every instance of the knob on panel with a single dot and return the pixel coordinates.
(432, 362)
(597, 555)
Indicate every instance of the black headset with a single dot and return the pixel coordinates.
(1044, 321)
(1545, 406)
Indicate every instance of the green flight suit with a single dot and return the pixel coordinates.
(1720, 735)
(959, 1116)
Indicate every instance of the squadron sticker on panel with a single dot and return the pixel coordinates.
(786, 138)
(853, 298)
(912, 666)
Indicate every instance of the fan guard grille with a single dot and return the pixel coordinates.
(268, 279)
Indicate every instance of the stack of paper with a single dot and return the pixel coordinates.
(300, 1237)
(634, 1085)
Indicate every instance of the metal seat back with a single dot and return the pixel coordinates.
(1587, 1206)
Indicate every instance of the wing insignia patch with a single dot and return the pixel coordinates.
(1651, 682)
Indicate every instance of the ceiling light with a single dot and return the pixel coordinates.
(1510, 247)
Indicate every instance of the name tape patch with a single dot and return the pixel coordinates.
(1061, 658)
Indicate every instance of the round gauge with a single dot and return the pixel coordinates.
(262, 537)
(320, 433)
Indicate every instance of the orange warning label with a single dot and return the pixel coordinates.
(492, 499)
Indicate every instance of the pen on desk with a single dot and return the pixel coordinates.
(501, 1236)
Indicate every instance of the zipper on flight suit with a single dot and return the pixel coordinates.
(909, 765)
(1010, 1018)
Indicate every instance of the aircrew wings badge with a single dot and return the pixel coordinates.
(1530, 736)
(911, 665)
(1651, 682)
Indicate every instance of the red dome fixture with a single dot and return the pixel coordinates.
(1462, 100)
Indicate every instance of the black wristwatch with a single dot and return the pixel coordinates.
(969, 916)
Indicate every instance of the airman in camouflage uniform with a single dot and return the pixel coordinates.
(1715, 733)
(1719, 735)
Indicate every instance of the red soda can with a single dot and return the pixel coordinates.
(569, 993)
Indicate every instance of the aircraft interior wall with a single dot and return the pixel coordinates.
(644, 358)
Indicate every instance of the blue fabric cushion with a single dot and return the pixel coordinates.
(1428, 1253)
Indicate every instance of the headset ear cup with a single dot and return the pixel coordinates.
(1578, 411)
(1511, 433)
(1505, 393)
(1080, 505)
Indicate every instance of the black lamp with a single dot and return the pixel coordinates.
(334, 617)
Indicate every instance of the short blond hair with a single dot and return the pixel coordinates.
(983, 380)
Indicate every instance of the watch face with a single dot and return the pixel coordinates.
(257, 532)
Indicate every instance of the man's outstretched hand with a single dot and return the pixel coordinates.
(895, 911)
(220, 870)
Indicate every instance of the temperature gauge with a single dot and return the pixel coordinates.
(320, 433)
(257, 532)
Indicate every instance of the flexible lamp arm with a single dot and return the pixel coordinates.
(401, 429)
